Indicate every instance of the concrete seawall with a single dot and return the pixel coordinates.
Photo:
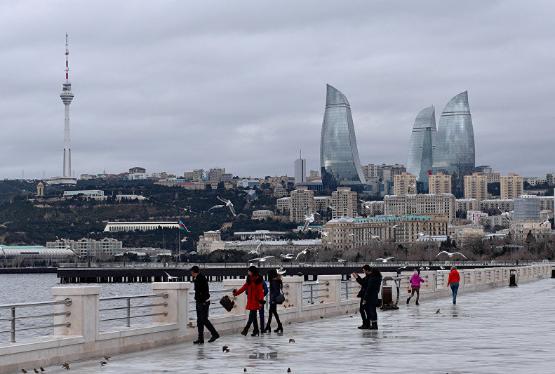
(77, 335)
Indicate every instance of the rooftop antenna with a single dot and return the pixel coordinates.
(67, 58)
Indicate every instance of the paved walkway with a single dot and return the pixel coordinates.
(487, 332)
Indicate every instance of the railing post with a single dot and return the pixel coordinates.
(293, 290)
(177, 309)
(12, 332)
(81, 314)
(334, 288)
(128, 304)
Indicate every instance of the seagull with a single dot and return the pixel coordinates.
(289, 370)
(102, 363)
(225, 349)
(229, 205)
(384, 260)
(324, 233)
(281, 271)
(302, 253)
(375, 237)
(451, 254)
(41, 368)
(437, 311)
(170, 277)
(65, 365)
(216, 207)
(256, 251)
(184, 240)
(291, 340)
(23, 370)
(287, 257)
(308, 220)
(341, 260)
(261, 259)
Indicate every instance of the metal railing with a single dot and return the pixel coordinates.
(128, 306)
(315, 291)
(349, 289)
(14, 316)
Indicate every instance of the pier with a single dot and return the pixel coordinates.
(82, 329)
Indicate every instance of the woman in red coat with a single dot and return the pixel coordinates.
(255, 298)
(453, 281)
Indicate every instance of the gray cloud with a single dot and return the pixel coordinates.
(175, 85)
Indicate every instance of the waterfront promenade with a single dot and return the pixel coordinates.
(165, 316)
(487, 332)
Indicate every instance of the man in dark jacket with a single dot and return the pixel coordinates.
(363, 281)
(371, 300)
(202, 299)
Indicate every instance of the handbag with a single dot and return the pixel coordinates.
(227, 303)
(280, 299)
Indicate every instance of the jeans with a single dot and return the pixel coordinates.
(202, 320)
(273, 312)
(363, 315)
(252, 320)
(454, 290)
(261, 314)
(371, 312)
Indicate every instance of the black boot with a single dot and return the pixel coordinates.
(279, 328)
(268, 328)
(199, 341)
(408, 301)
(365, 325)
(245, 331)
(255, 332)
(374, 325)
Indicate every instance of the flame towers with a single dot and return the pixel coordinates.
(339, 161)
(454, 153)
(67, 97)
(420, 159)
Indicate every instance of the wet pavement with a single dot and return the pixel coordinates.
(487, 332)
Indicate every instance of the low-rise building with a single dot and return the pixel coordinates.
(259, 235)
(262, 214)
(85, 194)
(348, 233)
(131, 197)
(283, 205)
(464, 205)
(521, 230)
(421, 204)
(373, 208)
(139, 226)
(104, 248)
(209, 242)
(500, 205)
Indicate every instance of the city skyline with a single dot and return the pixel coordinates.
(144, 94)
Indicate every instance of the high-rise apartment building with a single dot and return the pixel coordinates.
(512, 186)
(404, 184)
(344, 203)
(339, 160)
(439, 183)
(300, 170)
(476, 186)
(302, 204)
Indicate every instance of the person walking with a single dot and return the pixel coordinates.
(202, 301)
(453, 281)
(363, 281)
(261, 310)
(415, 281)
(255, 298)
(371, 300)
(276, 287)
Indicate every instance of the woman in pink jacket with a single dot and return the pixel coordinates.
(415, 281)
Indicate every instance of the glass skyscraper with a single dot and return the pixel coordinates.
(339, 161)
(454, 144)
(420, 159)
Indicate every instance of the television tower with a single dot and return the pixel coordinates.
(67, 97)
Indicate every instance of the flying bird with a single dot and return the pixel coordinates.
(261, 259)
(384, 260)
(451, 254)
(287, 257)
(302, 253)
(170, 277)
(229, 205)
(308, 220)
(256, 251)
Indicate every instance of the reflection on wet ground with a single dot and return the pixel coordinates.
(487, 332)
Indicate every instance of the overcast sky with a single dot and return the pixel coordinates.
(177, 85)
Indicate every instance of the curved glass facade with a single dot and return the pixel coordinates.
(339, 161)
(454, 149)
(420, 159)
